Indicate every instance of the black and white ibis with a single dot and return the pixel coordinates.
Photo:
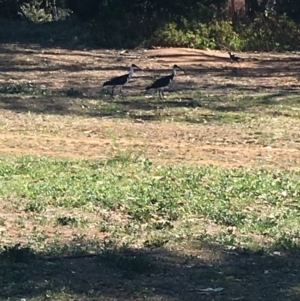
(161, 83)
(234, 58)
(120, 80)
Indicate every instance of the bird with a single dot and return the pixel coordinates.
(120, 80)
(234, 58)
(161, 83)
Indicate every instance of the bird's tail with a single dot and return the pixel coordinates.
(149, 87)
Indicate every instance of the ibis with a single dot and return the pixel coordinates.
(234, 58)
(120, 80)
(161, 83)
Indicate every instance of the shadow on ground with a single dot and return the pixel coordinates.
(213, 273)
(177, 104)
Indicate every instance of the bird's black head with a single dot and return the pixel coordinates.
(135, 66)
(177, 67)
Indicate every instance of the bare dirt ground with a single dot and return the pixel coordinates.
(91, 138)
(209, 72)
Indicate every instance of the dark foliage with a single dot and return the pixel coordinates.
(265, 25)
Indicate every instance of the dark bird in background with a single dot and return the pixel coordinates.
(234, 58)
(120, 80)
(161, 83)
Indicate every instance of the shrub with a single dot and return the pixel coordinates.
(170, 35)
(129, 23)
(198, 35)
(223, 34)
(34, 12)
(263, 34)
(269, 34)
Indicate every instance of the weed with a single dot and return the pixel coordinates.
(34, 206)
(24, 88)
(66, 220)
(2, 221)
(16, 88)
(155, 243)
(74, 93)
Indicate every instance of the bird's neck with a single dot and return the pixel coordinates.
(173, 72)
(130, 72)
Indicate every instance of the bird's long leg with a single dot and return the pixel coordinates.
(161, 90)
(121, 92)
(159, 93)
(112, 91)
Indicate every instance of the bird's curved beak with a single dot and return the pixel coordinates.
(137, 67)
(181, 69)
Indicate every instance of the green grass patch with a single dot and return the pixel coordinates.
(228, 221)
(24, 88)
(251, 200)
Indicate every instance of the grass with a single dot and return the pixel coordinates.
(195, 196)
(193, 107)
(162, 198)
(107, 208)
